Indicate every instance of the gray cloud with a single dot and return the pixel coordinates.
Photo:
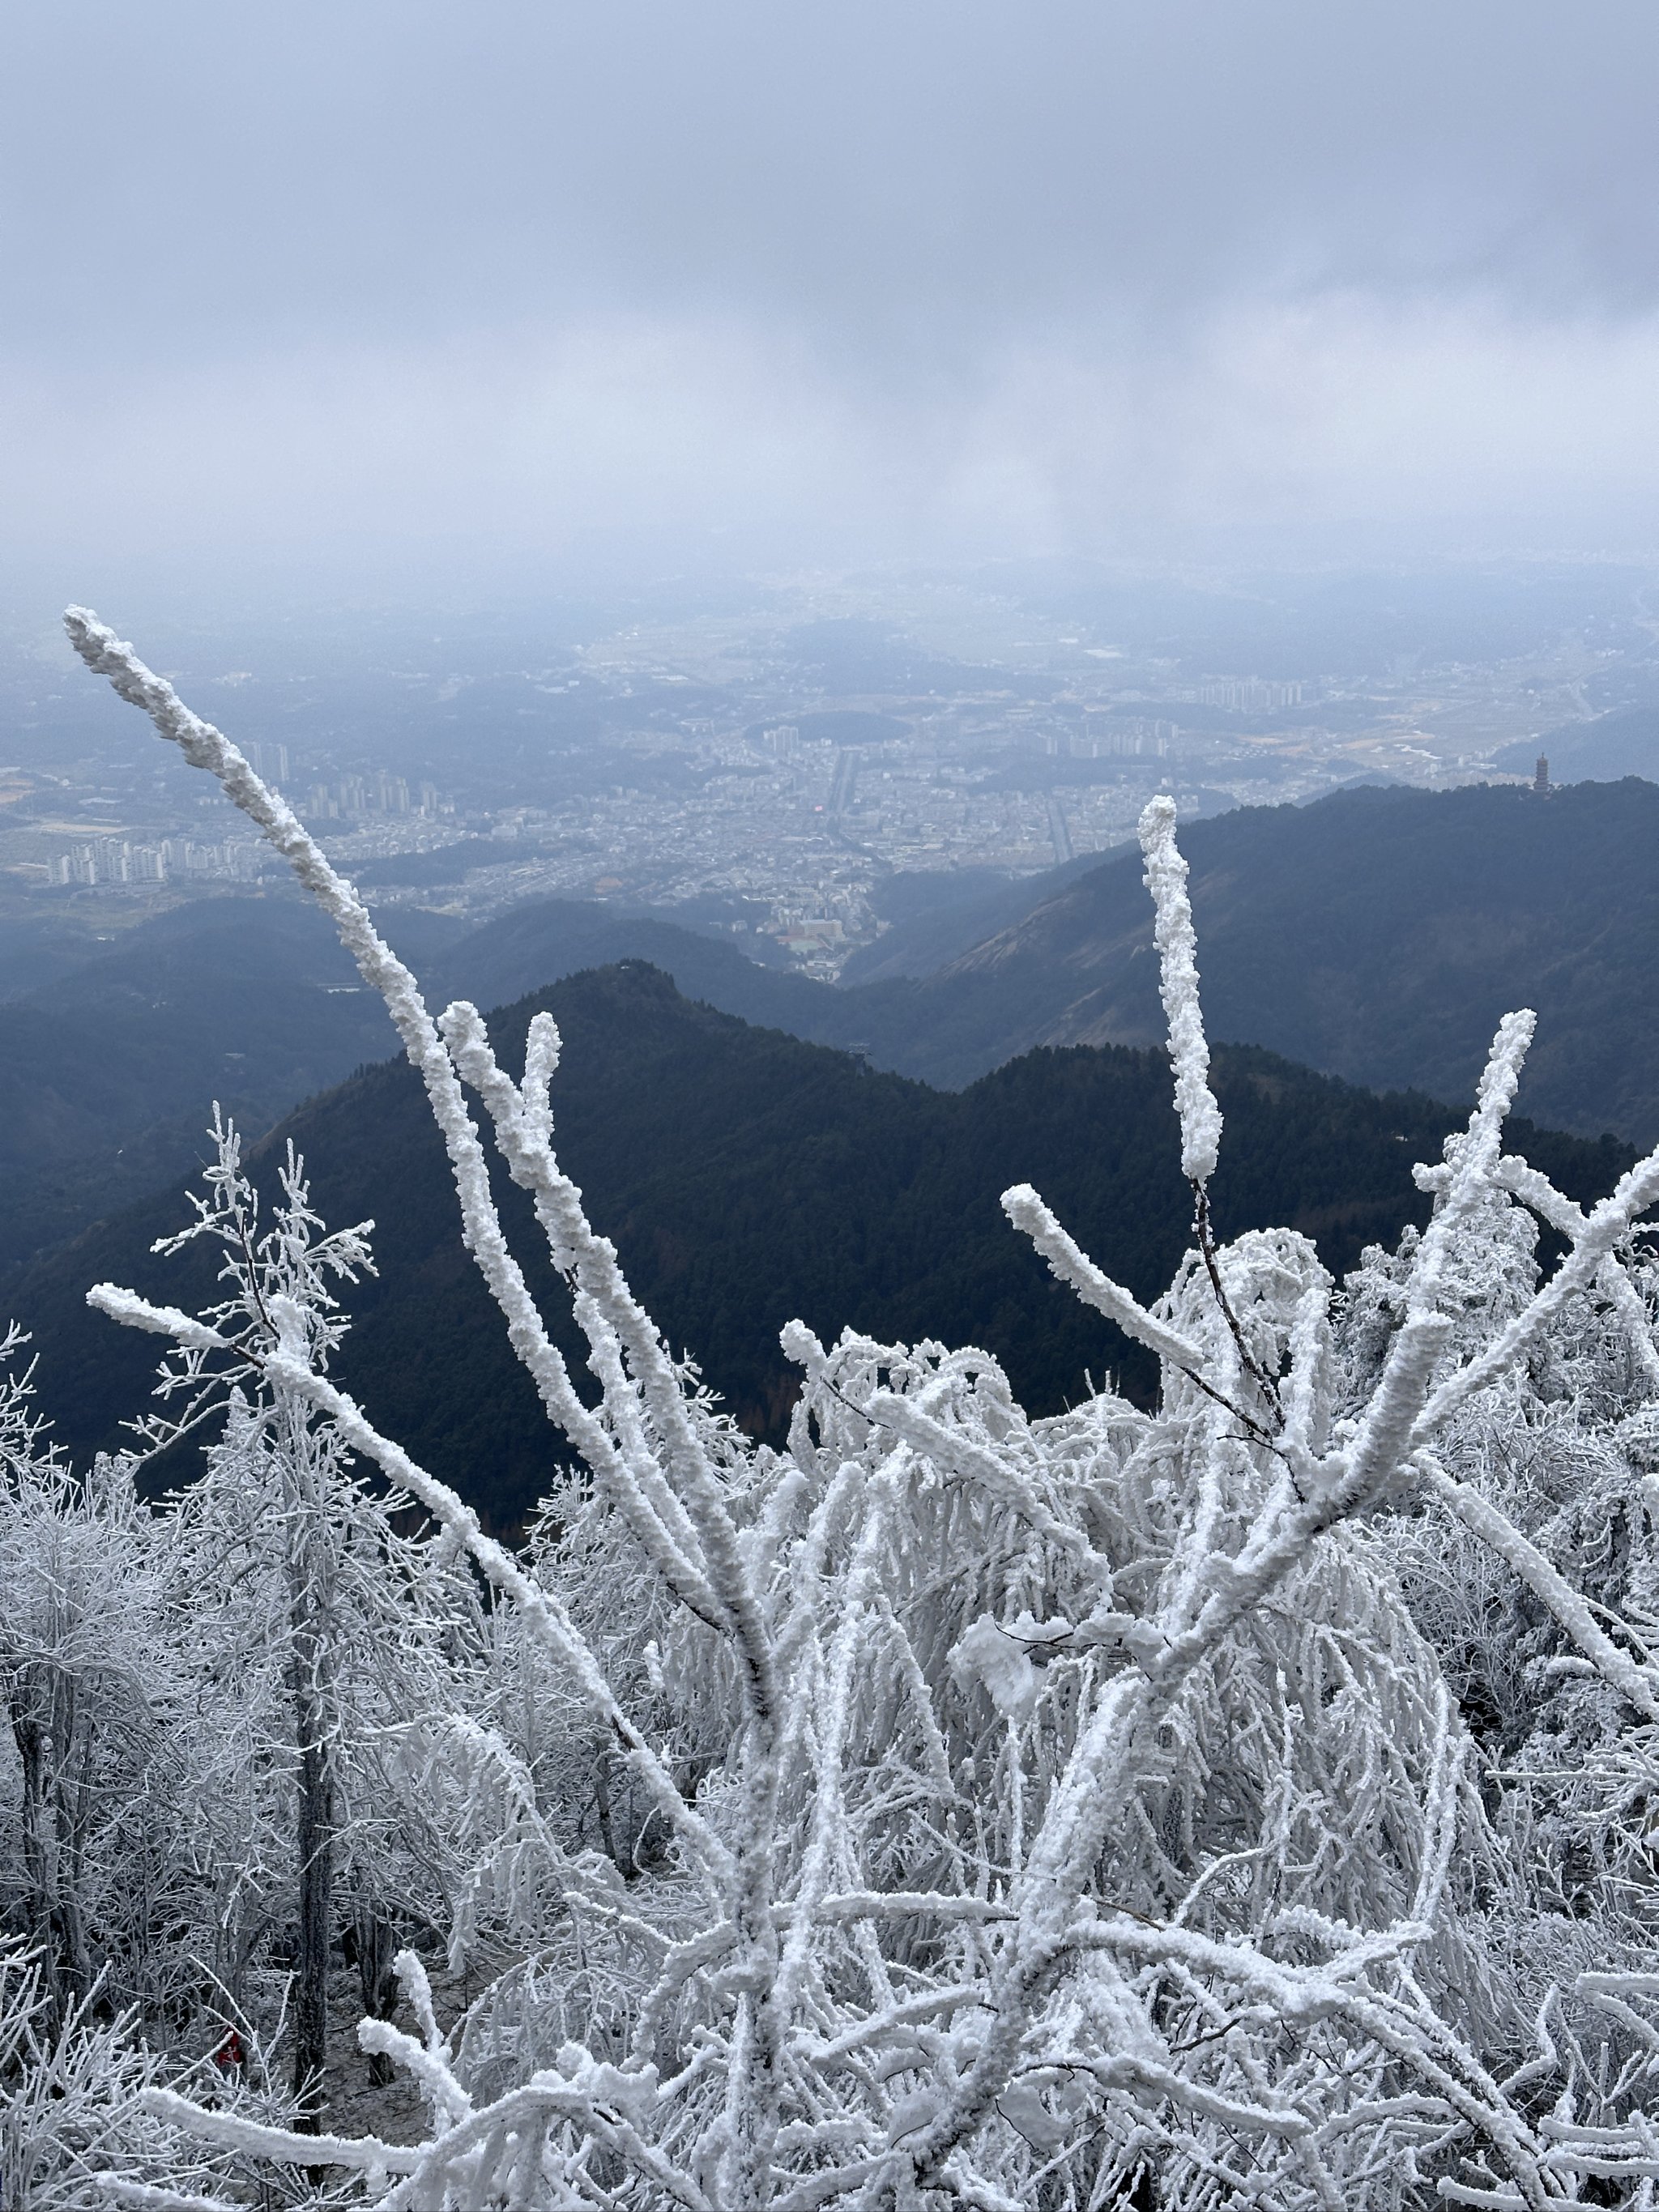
(896, 275)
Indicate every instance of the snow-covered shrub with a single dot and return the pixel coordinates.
(75, 2125)
(100, 1727)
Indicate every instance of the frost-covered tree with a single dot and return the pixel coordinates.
(327, 1648)
(1073, 1813)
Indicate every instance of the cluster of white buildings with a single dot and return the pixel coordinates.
(383, 793)
(117, 860)
(1250, 693)
(1123, 741)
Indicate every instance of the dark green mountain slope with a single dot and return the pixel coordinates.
(1379, 935)
(747, 1178)
(107, 1074)
(935, 918)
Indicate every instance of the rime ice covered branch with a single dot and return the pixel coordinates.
(1027, 1211)
(525, 1128)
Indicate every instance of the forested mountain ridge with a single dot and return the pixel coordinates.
(107, 1072)
(749, 1179)
(1378, 935)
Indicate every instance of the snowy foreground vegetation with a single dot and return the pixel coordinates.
(1246, 1802)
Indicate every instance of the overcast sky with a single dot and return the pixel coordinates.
(441, 290)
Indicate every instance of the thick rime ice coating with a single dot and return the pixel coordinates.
(1177, 954)
(1242, 1801)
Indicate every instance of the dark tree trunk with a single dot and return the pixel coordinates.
(311, 1681)
(602, 1805)
(314, 1844)
(54, 1911)
(375, 1948)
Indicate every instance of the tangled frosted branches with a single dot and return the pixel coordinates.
(1006, 1813)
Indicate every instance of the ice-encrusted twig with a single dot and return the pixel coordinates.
(1070, 1264)
(700, 1522)
(1177, 951)
(1482, 1518)
(364, 2153)
(134, 1312)
(147, 2197)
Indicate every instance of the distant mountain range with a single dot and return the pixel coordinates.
(747, 1178)
(105, 1070)
(1378, 935)
(110, 1061)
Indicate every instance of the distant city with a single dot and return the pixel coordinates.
(767, 771)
